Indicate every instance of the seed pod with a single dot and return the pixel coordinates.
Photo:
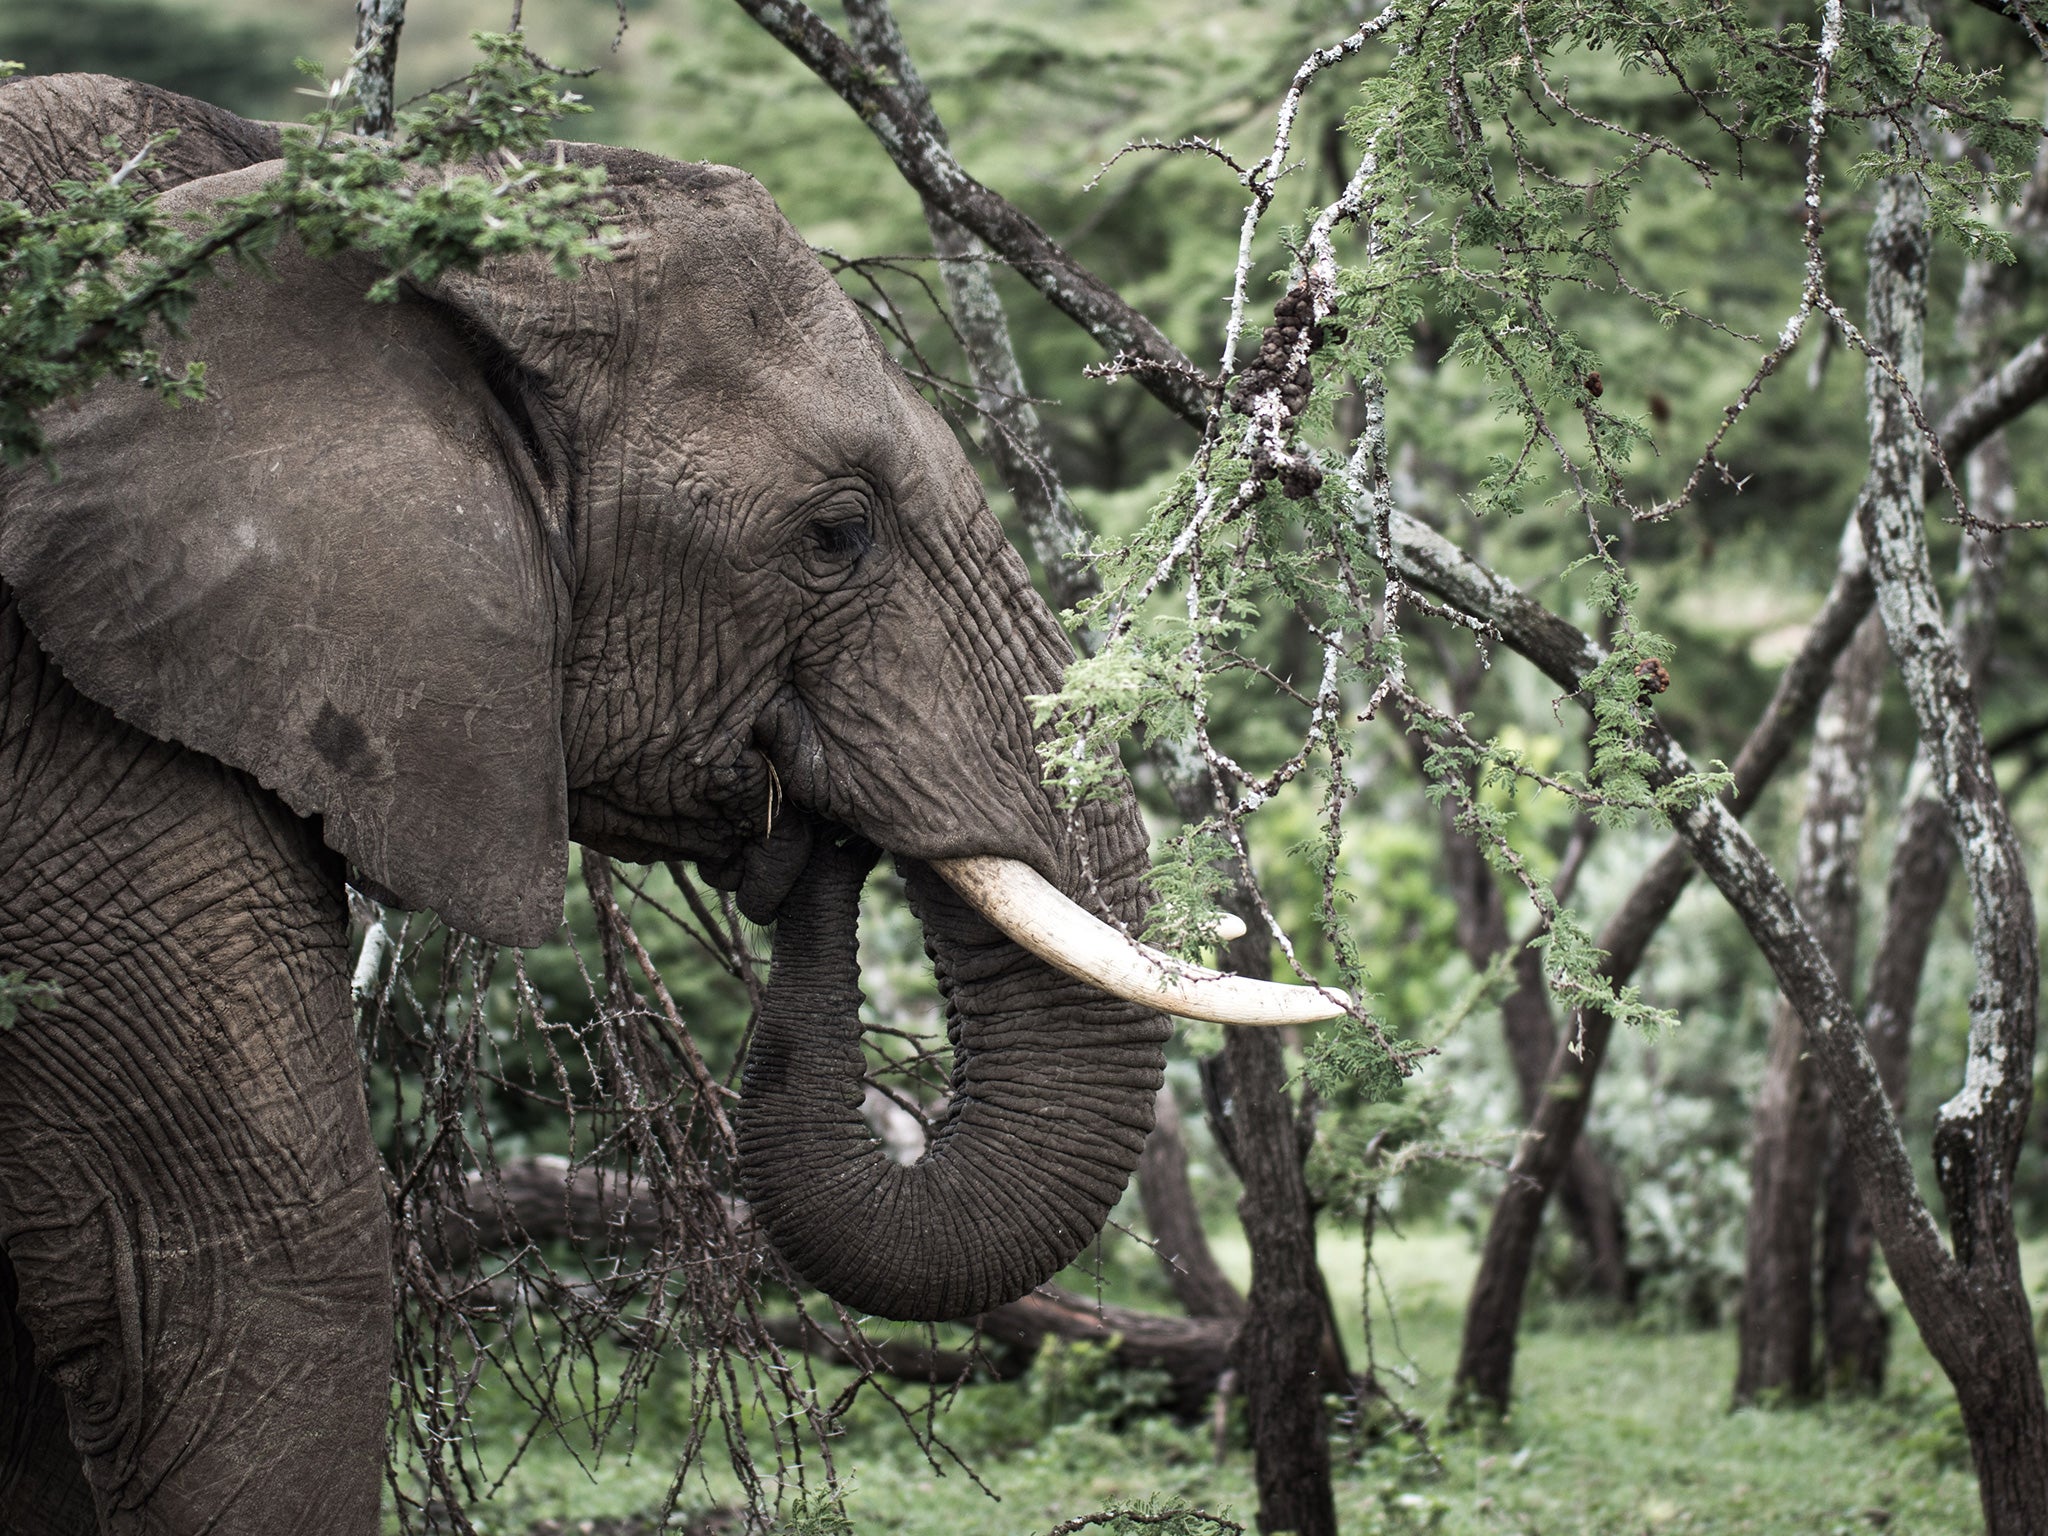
(1298, 482)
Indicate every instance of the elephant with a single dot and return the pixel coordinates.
(421, 592)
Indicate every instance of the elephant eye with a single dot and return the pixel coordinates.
(848, 538)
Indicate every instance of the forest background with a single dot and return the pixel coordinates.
(1621, 1419)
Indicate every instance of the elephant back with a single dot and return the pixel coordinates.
(55, 128)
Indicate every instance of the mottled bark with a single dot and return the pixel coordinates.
(1983, 1328)
(1775, 1356)
(1281, 1354)
(378, 23)
(1855, 1330)
(1978, 1133)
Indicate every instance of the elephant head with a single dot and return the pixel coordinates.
(672, 560)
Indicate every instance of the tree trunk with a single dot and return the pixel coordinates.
(378, 23)
(1281, 1349)
(1855, 1331)
(1493, 1312)
(1197, 1279)
(1586, 1191)
(1775, 1355)
(2004, 1416)
(1973, 1311)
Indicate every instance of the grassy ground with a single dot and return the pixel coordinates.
(1617, 1430)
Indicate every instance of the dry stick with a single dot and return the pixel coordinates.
(549, 1200)
(616, 931)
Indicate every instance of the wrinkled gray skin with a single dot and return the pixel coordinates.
(421, 593)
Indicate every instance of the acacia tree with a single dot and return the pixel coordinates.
(1805, 1278)
(1452, 124)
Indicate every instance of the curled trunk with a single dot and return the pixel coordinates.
(1053, 1087)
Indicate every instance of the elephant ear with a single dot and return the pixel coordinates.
(342, 573)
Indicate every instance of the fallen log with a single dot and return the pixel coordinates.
(1193, 1352)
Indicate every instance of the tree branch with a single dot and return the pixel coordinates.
(928, 165)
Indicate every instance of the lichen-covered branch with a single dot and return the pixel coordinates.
(928, 165)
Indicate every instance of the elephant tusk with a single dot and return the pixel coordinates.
(1227, 929)
(1031, 911)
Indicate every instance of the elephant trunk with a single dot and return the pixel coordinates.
(1053, 1085)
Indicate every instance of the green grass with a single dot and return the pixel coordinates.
(1617, 1429)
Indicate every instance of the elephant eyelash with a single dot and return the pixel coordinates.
(850, 538)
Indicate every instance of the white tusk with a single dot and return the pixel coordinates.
(1227, 929)
(1027, 907)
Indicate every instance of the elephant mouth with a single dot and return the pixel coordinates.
(1007, 892)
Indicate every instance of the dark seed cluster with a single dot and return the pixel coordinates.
(1652, 676)
(1269, 370)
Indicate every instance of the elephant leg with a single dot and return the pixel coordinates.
(188, 1193)
(42, 1483)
